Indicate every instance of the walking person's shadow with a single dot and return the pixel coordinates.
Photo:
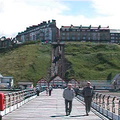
(65, 115)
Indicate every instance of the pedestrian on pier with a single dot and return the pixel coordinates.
(88, 93)
(68, 95)
(50, 90)
(47, 90)
(37, 91)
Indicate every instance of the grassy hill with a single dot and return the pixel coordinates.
(93, 61)
(26, 63)
(88, 61)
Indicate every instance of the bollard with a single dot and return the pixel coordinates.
(2, 101)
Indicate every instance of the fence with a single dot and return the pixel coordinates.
(16, 99)
(107, 105)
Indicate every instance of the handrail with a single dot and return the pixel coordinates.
(17, 97)
(107, 105)
(110, 103)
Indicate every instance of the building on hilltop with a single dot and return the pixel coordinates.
(85, 33)
(6, 42)
(115, 35)
(45, 31)
(48, 32)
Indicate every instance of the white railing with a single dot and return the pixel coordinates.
(16, 99)
(107, 105)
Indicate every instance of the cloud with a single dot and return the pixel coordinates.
(107, 14)
(16, 15)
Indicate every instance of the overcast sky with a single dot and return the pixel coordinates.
(16, 15)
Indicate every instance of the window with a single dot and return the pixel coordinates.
(84, 38)
(63, 38)
(112, 37)
(73, 38)
(67, 33)
(68, 38)
(112, 34)
(88, 38)
(67, 29)
(63, 34)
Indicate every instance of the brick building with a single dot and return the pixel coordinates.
(85, 33)
(115, 35)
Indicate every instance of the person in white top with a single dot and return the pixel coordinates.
(68, 95)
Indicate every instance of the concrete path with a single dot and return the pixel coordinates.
(45, 107)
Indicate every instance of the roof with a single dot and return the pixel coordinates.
(8, 77)
(114, 30)
(84, 27)
(24, 83)
(57, 78)
(1, 75)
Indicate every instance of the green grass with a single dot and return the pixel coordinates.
(92, 61)
(89, 61)
(26, 63)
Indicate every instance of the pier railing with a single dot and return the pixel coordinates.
(11, 101)
(106, 104)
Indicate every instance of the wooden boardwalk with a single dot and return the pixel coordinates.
(45, 107)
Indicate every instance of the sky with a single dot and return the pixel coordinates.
(16, 15)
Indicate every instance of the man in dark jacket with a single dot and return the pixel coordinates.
(68, 95)
(88, 93)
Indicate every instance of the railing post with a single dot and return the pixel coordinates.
(119, 107)
(100, 100)
(113, 104)
(97, 98)
(108, 103)
(103, 101)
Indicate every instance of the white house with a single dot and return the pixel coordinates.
(6, 82)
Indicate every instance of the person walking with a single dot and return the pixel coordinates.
(68, 95)
(37, 91)
(47, 90)
(50, 90)
(88, 93)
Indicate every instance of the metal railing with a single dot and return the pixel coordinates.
(17, 97)
(106, 104)
(14, 100)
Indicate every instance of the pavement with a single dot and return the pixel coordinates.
(52, 107)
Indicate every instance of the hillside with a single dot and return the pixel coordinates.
(92, 61)
(26, 63)
(88, 61)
